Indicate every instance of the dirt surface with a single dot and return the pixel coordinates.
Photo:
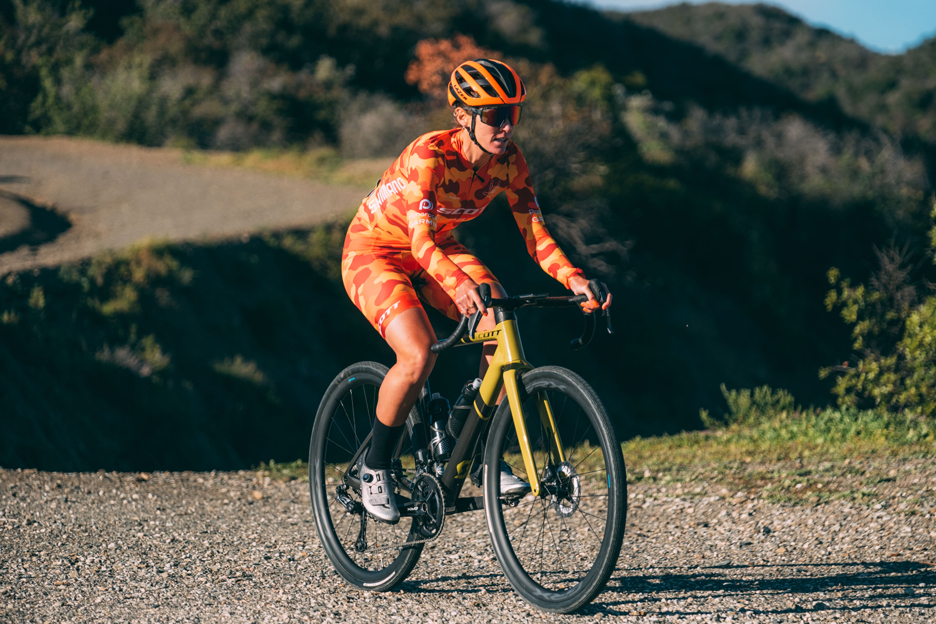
(238, 547)
(63, 199)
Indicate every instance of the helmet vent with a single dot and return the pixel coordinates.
(506, 81)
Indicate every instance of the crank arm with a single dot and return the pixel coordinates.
(411, 509)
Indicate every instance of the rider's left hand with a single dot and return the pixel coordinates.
(579, 285)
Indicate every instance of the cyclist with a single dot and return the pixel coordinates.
(399, 247)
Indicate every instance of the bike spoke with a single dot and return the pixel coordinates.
(351, 418)
(562, 521)
(540, 541)
(551, 535)
(597, 448)
(526, 522)
(582, 474)
(592, 530)
(357, 437)
(339, 445)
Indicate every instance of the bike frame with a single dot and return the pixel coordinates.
(506, 365)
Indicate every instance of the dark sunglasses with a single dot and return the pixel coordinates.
(497, 115)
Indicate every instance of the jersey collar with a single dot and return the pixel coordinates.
(457, 143)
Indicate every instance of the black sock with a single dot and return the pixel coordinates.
(383, 442)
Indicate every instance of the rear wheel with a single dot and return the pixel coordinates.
(558, 549)
(363, 550)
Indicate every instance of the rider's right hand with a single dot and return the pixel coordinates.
(468, 299)
(579, 286)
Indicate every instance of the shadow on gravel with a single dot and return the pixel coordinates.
(45, 224)
(475, 583)
(871, 583)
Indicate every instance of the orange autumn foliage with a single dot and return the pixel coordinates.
(436, 60)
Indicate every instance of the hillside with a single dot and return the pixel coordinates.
(705, 162)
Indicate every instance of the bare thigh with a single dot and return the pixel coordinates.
(409, 335)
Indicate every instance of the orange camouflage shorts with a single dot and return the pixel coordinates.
(383, 282)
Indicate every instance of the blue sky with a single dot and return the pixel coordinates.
(882, 25)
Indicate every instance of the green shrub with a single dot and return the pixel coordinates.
(894, 333)
(765, 416)
(751, 408)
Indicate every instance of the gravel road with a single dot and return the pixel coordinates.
(238, 547)
(62, 199)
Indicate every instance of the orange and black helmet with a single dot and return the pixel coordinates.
(485, 82)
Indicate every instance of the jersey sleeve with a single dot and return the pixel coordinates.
(526, 211)
(421, 212)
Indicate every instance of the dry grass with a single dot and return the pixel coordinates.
(321, 164)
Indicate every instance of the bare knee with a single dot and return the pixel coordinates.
(410, 335)
(415, 365)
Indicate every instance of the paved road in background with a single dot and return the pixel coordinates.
(63, 199)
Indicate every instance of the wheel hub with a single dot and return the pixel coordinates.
(568, 491)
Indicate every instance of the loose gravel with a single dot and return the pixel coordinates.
(239, 547)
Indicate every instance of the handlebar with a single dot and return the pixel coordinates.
(468, 324)
(448, 343)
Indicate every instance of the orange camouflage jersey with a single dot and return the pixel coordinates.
(401, 241)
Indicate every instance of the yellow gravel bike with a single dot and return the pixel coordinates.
(557, 545)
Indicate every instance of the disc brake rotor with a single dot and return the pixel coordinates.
(566, 499)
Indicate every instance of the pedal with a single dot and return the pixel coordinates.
(351, 506)
(514, 497)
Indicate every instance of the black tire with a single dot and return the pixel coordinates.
(344, 419)
(558, 551)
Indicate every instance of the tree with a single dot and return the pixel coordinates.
(435, 60)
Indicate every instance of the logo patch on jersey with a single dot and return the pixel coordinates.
(425, 205)
(535, 215)
(415, 218)
(383, 192)
(492, 186)
(455, 213)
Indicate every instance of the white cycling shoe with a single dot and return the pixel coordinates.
(510, 484)
(377, 493)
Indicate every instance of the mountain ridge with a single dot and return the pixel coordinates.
(893, 92)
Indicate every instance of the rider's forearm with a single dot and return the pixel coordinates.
(541, 246)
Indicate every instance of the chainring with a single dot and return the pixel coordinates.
(427, 492)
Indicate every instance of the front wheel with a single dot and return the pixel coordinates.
(365, 552)
(557, 549)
